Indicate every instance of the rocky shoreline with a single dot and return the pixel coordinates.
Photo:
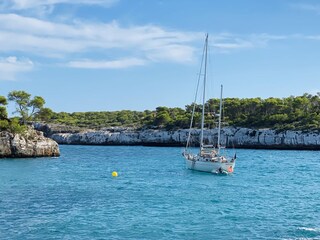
(28, 145)
(231, 137)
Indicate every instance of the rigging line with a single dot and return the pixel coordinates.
(210, 75)
(210, 89)
(219, 126)
(196, 95)
(204, 90)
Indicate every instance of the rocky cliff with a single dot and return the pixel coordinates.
(231, 137)
(30, 144)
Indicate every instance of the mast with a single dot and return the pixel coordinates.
(204, 91)
(219, 126)
(195, 98)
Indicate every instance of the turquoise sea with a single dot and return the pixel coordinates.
(271, 195)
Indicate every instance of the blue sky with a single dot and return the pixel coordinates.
(107, 55)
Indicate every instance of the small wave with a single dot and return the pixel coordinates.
(302, 238)
(309, 229)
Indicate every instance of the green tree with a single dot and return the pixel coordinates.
(25, 106)
(11, 125)
(162, 116)
(3, 110)
(4, 121)
(44, 114)
(15, 127)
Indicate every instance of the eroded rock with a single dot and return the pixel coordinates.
(30, 144)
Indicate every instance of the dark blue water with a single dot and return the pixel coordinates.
(271, 195)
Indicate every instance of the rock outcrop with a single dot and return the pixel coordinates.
(231, 137)
(49, 129)
(30, 144)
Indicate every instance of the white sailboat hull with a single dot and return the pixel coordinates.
(210, 166)
(209, 158)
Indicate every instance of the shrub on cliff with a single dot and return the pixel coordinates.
(26, 107)
(15, 127)
(12, 126)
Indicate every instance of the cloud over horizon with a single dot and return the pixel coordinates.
(29, 4)
(45, 38)
(114, 64)
(74, 43)
(307, 7)
(12, 65)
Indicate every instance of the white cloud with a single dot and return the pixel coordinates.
(115, 64)
(30, 4)
(314, 37)
(236, 44)
(307, 7)
(172, 52)
(11, 66)
(227, 42)
(44, 38)
(148, 43)
(133, 45)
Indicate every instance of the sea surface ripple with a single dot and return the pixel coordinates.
(271, 195)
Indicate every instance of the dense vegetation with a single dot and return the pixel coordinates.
(296, 113)
(301, 113)
(27, 109)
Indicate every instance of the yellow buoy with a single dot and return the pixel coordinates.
(114, 174)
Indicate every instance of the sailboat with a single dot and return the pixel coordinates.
(210, 158)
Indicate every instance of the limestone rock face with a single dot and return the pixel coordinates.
(30, 144)
(230, 137)
(5, 144)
